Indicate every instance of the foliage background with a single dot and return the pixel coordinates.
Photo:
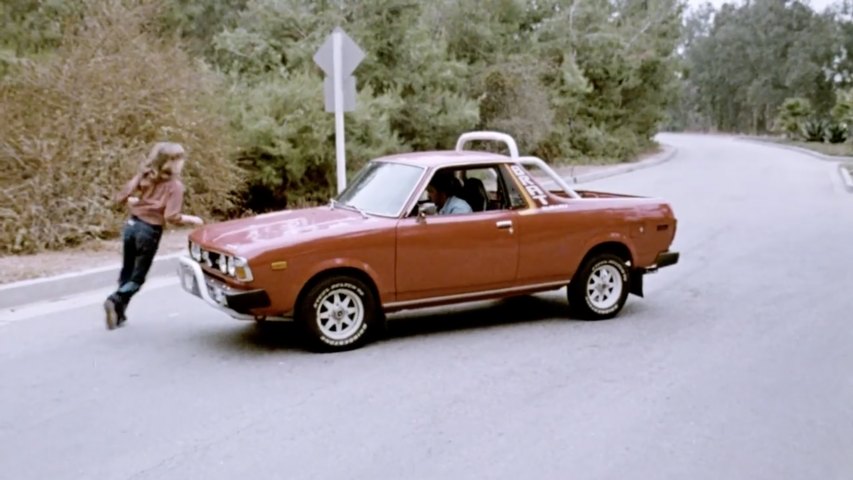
(776, 67)
(87, 87)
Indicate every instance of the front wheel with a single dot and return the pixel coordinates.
(338, 313)
(600, 288)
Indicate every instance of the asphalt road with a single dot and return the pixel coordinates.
(737, 365)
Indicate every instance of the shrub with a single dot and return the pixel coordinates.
(76, 124)
(815, 130)
(842, 111)
(792, 116)
(287, 140)
(515, 101)
(836, 132)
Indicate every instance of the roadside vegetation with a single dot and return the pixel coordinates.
(77, 121)
(86, 87)
(776, 69)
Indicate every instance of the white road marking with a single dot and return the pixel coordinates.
(94, 297)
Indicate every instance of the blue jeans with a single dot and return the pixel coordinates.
(140, 243)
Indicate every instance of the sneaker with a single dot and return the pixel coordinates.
(111, 314)
(120, 309)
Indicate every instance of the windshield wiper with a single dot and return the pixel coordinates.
(351, 207)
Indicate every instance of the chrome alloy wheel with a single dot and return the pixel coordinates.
(340, 314)
(604, 288)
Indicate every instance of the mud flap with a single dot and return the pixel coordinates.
(636, 286)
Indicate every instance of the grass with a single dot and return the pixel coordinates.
(833, 149)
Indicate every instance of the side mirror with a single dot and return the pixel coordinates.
(426, 209)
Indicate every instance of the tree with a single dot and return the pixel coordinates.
(755, 56)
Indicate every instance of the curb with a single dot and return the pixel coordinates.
(846, 178)
(34, 290)
(843, 172)
(610, 172)
(806, 151)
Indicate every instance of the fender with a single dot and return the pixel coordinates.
(600, 238)
(345, 262)
(635, 275)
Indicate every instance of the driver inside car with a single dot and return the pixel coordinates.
(443, 191)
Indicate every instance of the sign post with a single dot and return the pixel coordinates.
(338, 57)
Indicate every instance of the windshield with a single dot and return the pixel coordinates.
(381, 188)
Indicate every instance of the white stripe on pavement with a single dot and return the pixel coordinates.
(47, 307)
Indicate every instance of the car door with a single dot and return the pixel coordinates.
(452, 254)
(442, 255)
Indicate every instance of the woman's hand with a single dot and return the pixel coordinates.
(192, 220)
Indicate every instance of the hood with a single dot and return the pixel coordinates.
(271, 230)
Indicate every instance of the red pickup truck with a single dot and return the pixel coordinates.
(383, 245)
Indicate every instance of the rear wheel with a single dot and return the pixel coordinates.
(600, 288)
(338, 313)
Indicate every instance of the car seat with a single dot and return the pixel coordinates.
(475, 194)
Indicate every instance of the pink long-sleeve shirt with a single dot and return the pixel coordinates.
(158, 204)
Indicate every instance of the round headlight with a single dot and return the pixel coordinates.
(231, 267)
(195, 252)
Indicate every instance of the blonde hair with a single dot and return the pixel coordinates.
(159, 166)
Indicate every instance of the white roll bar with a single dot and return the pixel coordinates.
(538, 162)
(486, 135)
(513, 153)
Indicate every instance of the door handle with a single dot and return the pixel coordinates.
(502, 224)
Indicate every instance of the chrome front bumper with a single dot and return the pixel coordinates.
(217, 294)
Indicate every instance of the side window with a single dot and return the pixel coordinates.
(444, 183)
(489, 188)
(482, 187)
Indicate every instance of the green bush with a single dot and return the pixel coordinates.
(287, 141)
(410, 95)
(836, 133)
(842, 111)
(815, 130)
(515, 101)
(792, 117)
(598, 144)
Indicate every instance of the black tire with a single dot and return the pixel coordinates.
(326, 308)
(593, 296)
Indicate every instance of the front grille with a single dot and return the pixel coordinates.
(210, 259)
(213, 258)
